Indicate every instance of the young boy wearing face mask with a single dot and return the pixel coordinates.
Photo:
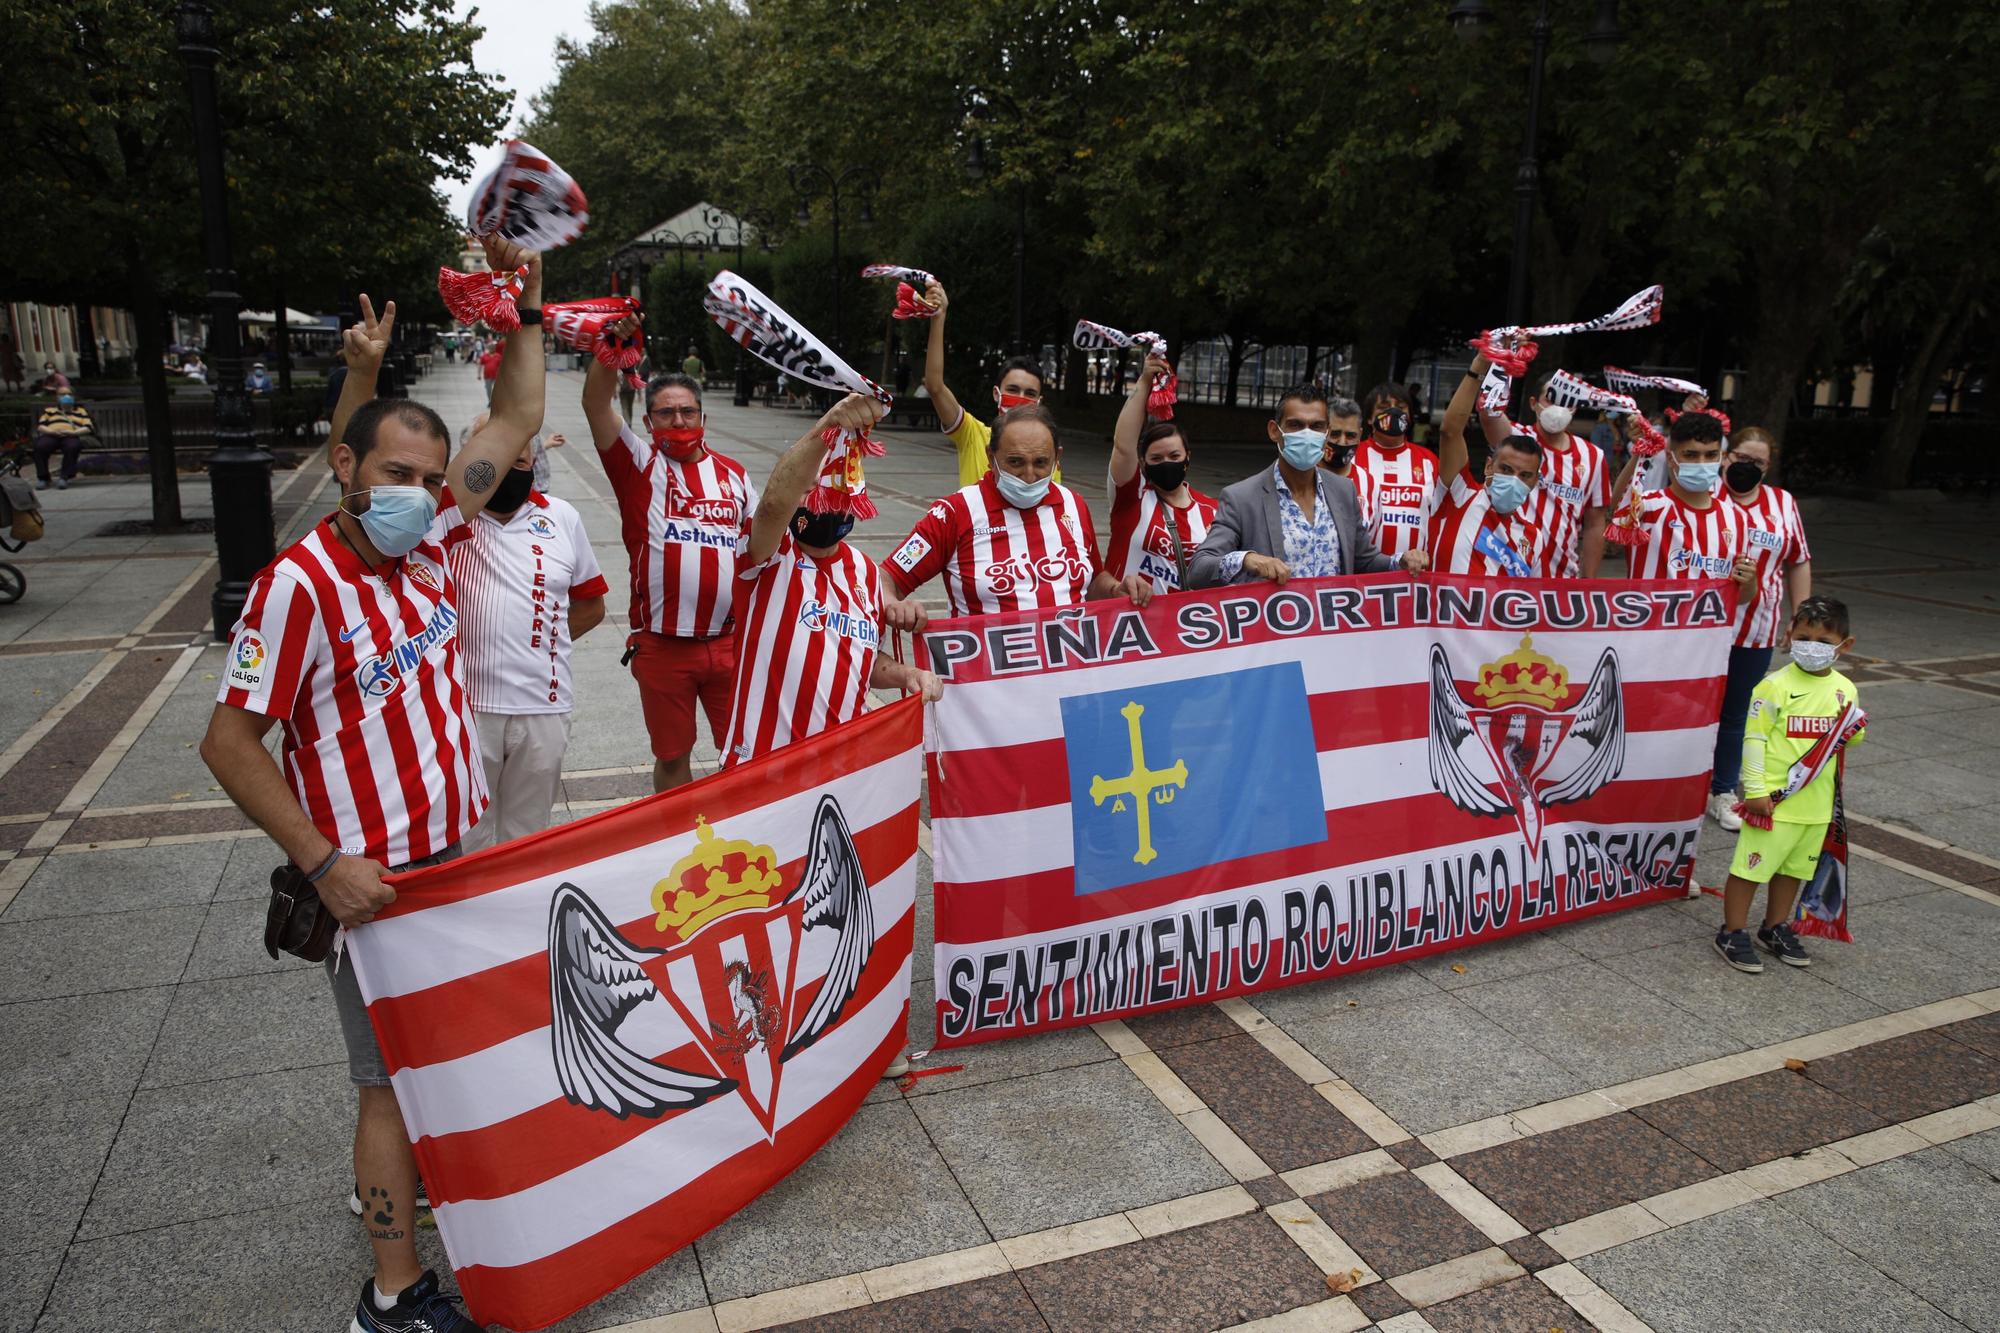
(1404, 476)
(1801, 716)
(1157, 519)
(1573, 499)
(1486, 525)
(811, 607)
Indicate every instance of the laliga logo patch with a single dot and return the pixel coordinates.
(1524, 745)
(247, 657)
(541, 525)
(910, 553)
(729, 973)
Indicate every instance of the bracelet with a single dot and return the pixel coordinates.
(315, 876)
(530, 315)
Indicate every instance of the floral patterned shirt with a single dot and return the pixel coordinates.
(1312, 545)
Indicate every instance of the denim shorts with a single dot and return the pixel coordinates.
(365, 1066)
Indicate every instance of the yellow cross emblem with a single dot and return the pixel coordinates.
(1140, 783)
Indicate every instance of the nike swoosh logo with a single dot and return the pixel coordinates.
(1798, 696)
(347, 636)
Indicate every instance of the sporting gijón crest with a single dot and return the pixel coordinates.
(1522, 739)
(729, 972)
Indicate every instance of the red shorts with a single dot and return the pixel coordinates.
(673, 673)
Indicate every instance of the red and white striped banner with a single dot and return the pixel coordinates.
(1251, 787)
(608, 1037)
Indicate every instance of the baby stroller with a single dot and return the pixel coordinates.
(20, 523)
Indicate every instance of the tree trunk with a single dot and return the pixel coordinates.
(1374, 350)
(1237, 344)
(1898, 449)
(148, 320)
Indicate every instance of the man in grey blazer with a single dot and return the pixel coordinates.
(1294, 519)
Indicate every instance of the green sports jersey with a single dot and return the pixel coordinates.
(1790, 711)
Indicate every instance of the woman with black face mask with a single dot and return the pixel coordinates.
(1403, 475)
(1157, 519)
(1777, 542)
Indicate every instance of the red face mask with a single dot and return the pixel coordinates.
(680, 442)
(1010, 401)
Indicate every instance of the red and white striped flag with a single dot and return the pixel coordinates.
(1251, 787)
(608, 1037)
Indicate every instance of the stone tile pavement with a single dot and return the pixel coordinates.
(1597, 1126)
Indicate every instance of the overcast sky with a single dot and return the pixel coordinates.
(519, 46)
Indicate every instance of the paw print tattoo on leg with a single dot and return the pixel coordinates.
(382, 1215)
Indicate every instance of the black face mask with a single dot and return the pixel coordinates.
(1392, 421)
(820, 531)
(1339, 456)
(1166, 477)
(514, 486)
(1742, 475)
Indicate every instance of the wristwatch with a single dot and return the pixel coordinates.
(530, 314)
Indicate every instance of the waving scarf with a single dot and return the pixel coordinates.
(1165, 390)
(910, 282)
(584, 325)
(1503, 346)
(763, 329)
(528, 200)
(1566, 390)
(1624, 381)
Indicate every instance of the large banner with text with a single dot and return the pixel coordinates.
(1252, 787)
(609, 1036)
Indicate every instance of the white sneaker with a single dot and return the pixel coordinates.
(898, 1066)
(1722, 809)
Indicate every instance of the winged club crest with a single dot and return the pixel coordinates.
(1522, 739)
(729, 974)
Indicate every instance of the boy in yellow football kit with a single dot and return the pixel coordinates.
(1800, 718)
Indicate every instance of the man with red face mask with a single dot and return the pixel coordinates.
(1020, 386)
(682, 509)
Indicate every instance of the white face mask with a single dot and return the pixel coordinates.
(1811, 655)
(1554, 420)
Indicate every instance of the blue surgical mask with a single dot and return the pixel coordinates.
(1811, 655)
(1506, 491)
(1303, 448)
(1020, 494)
(1698, 478)
(397, 517)
(67, 401)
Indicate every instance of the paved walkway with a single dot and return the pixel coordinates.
(1597, 1126)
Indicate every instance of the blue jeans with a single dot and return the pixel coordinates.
(1747, 666)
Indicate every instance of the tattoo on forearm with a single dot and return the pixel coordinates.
(479, 477)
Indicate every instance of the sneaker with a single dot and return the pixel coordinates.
(1737, 951)
(1722, 809)
(898, 1066)
(1782, 943)
(41, 485)
(62, 483)
(423, 1198)
(422, 1308)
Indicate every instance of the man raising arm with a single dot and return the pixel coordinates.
(1020, 385)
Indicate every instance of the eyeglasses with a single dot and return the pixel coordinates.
(677, 413)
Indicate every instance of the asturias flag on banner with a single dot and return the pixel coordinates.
(608, 1037)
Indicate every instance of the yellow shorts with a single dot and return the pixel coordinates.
(1791, 850)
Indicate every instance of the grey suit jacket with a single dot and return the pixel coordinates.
(1247, 520)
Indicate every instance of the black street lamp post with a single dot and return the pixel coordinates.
(239, 471)
(811, 180)
(1471, 18)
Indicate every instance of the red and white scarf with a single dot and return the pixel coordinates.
(584, 324)
(910, 284)
(1511, 347)
(526, 199)
(763, 329)
(1165, 389)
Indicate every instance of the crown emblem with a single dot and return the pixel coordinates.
(1523, 676)
(718, 877)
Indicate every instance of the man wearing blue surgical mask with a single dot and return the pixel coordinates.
(349, 642)
(1485, 525)
(1296, 519)
(66, 425)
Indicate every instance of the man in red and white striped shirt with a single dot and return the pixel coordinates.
(811, 609)
(1683, 530)
(1014, 539)
(1487, 526)
(1157, 519)
(1404, 476)
(1572, 501)
(349, 641)
(528, 587)
(682, 509)
(1343, 443)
